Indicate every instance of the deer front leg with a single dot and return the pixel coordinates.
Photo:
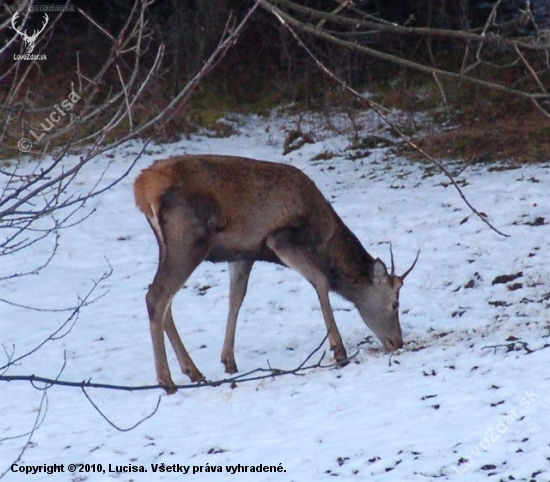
(239, 272)
(298, 258)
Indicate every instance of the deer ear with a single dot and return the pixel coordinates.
(378, 272)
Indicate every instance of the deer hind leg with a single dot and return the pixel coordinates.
(186, 363)
(239, 272)
(171, 275)
(298, 258)
(183, 244)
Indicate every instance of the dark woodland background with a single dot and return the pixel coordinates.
(268, 68)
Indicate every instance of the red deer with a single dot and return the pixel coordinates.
(222, 208)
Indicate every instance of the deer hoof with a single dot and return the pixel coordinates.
(341, 358)
(342, 362)
(230, 366)
(169, 386)
(340, 355)
(170, 389)
(195, 376)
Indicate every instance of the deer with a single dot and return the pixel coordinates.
(238, 210)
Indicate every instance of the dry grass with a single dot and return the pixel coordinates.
(485, 126)
(472, 124)
(521, 138)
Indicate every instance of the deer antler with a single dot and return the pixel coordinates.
(404, 275)
(392, 262)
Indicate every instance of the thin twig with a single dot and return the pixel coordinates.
(334, 38)
(111, 423)
(253, 375)
(65, 328)
(41, 412)
(40, 417)
(380, 111)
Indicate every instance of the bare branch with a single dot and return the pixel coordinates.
(112, 424)
(352, 23)
(66, 327)
(40, 417)
(382, 113)
(31, 197)
(41, 412)
(253, 375)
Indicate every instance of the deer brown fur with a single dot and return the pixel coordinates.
(222, 208)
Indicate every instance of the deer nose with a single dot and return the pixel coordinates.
(392, 344)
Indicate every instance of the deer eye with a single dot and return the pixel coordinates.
(395, 305)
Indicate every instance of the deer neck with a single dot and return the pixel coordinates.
(348, 264)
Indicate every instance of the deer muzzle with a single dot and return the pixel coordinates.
(393, 343)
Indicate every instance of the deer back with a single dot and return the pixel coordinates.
(241, 200)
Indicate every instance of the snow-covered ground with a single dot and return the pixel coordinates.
(466, 399)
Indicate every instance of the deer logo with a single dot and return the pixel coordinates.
(30, 40)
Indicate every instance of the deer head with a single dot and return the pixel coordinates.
(29, 39)
(379, 303)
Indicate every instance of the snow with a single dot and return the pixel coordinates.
(466, 399)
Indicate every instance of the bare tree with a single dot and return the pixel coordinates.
(352, 29)
(488, 47)
(40, 198)
(35, 199)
